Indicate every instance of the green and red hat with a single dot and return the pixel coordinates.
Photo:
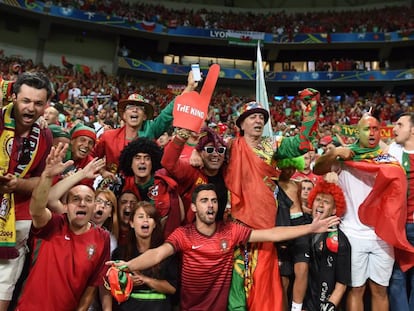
(82, 130)
(251, 108)
(136, 100)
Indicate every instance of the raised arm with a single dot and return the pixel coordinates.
(148, 259)
(171, 158)
(38, 203)
(283, 233)
(324, 163)
(59, 189)
(164, 120)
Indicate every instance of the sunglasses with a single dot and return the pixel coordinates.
(211, 149)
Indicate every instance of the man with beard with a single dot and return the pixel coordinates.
(401, 290)
(207, 250)
(372, 182)
(23, 146)
(212, 150)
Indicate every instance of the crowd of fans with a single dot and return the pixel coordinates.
(363, 20)
(103, 90)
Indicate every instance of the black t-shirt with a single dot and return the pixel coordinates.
(166, 270)
(326, 268)
(222, 197)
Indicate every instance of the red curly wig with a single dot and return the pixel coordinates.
(332, 189)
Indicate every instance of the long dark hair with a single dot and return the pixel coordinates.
(156, 236)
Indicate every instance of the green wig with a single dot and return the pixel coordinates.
(298, 163)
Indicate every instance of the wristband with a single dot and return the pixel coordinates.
(183, 134)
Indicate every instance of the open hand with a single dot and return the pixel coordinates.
(54, 164)
(328, 224)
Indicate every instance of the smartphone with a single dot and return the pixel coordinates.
(195, 68)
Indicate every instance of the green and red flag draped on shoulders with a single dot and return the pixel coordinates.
(385, 208)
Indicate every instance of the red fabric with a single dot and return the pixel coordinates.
(110, 145)
(129, 184)
(187, 176)
(248, 178)
(207, 263)
(63, 265)
(166, 200)
(165, 196)
(266, 292)
(81, 163)
(385, 208)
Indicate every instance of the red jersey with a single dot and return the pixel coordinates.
(207, 264)
(187, 176)
(408, 164)
(63, 265)
(110, 145)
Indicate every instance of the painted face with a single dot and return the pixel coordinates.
(141, 166)
(134, 116)
(81, 147)
(403, 130)
(369, 132)
(29, 104)
(126, 202)
(206, 206)
(213, 158)
(253, 125)
(80, 206)
(103, 209)
(142, 223)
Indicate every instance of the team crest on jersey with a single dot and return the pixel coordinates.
(9, 146)
(224, 245)
(153, 192)
(90, 250)
(199, 181)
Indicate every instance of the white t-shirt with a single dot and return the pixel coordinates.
(74, 93)
(356, 185)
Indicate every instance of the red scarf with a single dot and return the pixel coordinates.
(248, 179)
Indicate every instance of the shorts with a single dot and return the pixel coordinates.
(300, 247)
(285, 262)
(294, 251)
(12, 268)
(370, 259)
